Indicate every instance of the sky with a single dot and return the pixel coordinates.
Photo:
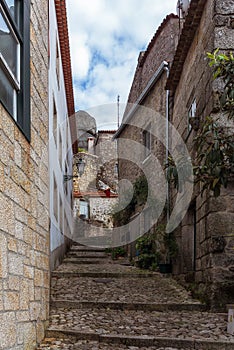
(106, 37)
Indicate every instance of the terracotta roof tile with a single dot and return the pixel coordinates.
(61, 12)
(189, 29)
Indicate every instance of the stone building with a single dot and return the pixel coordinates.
(106, 150)
(24, 167)
(205, 238)
(186, 90)
(95, 191)
(144, 117)
(62, 132)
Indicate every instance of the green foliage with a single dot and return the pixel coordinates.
(140, 190)
(82, 150)
(156, 247)
(224, 68)
(173, 170)
(215, 156)
(214, 143)
(171, 245)
(140, 194)
(146, 251)
(118, 252)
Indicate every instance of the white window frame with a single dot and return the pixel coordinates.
(147, 141)
(192, 113)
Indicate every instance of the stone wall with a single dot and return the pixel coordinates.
(106, 150)
(87, 181)
(24, 233)
(161, 48)
(206, 235)
(99, 165)
(101, 210)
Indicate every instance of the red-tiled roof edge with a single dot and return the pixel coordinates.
(191, 23)
(97, 194)
(107, 131)
(61, 13)
(157, 33)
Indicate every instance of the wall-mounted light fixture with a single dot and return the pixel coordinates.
(80, 164)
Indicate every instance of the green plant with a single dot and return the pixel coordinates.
(167, 245)
(118, 252)
(156, 247)
(82, 150)
(147, 257)
(214, 162)
(171, 245)
(140, 194)
(214, 143)
(223, 66)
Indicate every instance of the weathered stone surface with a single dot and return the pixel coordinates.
(220, 223)
(224, 7)
(92, 313)
(11, 300)
(7, 330)
(224, 38)
(3, 255)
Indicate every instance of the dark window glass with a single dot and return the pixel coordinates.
(9, 46)
(8, 94)
(14, 9)
(15, 61)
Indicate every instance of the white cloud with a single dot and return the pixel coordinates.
(105, 38)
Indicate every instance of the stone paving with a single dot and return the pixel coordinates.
(151, 290)
(73, 344)
(117, 306)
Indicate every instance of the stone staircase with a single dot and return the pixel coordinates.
(98, 303)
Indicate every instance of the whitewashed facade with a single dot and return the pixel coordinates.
(60, 146)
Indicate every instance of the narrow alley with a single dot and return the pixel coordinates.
(100, 303)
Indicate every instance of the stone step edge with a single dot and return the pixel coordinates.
(141, 340)
(88, 250)
(64, 303)
(102, 274)
(82, 262)
(76, 257)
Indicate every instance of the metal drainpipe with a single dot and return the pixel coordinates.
(167, 144)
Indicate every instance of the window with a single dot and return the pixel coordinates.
(191, 114)
(147, 141)
(55, 123)
(60, 148)
(15, 61)
(116, 169)
(57, 64)
(55, 199)
(61, 215)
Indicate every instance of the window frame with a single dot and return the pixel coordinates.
(22, 90)
(147, 141)
(192, 113)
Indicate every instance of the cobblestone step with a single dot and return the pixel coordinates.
(83, 260)
(136, 342)
(80, 248)
(156, 289)
(108, 269)
(95, 242)
(127, 306)
(71, 274)
(75, 344)
(131, 323)
(111, 306)
(87, 254)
